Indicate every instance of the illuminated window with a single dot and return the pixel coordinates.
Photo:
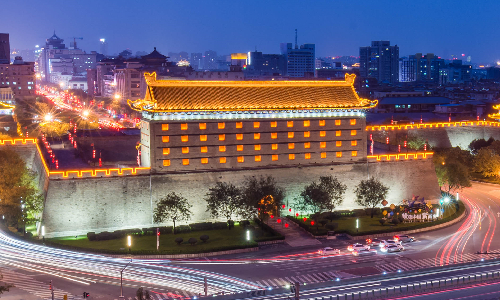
(291, 146)
(184, 126)
(239, 124)
(339, 154)
(184, 138)
(289, 123)
(338, 133)
(258, 158)
(256, 147)
(322, 122)
(203, 126)
(256, 124)
(274, 157)
(323, 154)
(166, 151)
(239, 136)
(307, 123)
(222, 137)
(291, 156)
(221, 125)
(307, 156)
(185, 150)
(307, 145)
(354, 153)
(203, 138)
(239, 147)
(354, 143)
(222, 160)
(322, 144)
(274, 135)
(241, 159)
(204, 160)
(322, 133)
(338, 143)
(337, 122)
(164, 127)
(274, 124)
(290, 135)
(222, 148)
(256, 136)
(165, 139)
(274, 146)
(166, 162)
(353, 132)
(353, 121)
(185, 162)
(307, 134)
(204, 149)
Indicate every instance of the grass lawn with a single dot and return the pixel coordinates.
(219, 240)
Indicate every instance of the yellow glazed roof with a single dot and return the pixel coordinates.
(186, 95)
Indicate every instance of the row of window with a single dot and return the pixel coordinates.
(258, 158)
(256, 136)
(274, 124)
(204, 149)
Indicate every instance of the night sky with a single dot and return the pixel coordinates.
(336, 27)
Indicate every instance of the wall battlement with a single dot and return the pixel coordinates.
(433, 125)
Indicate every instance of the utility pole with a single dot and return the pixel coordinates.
(51, 290)
(205, 286)
(157, 239)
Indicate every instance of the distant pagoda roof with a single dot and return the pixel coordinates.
(187, 95)
(154, 55)
(54, 37)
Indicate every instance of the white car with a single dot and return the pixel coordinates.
(328, 251)
(373, 242)
(392, 248)
(386, 243)
(404, 238)
(370, 251)
(358, 247)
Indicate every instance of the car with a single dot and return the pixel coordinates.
(328, 251)
(388, 243)
(370, 251)
(373, 242)
(404, 238)
(358, 247)
(392, 248)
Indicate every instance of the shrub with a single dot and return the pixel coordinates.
(332, 226)
(220, 225)
(395, 221)
(204, 238)
(179, 240)
(192, 241)
(323, 222)
(401, 219)
(182, 229)
(104, 236)
(382, 221)
(201, 226)
(91, 236)
(244, 223)
(230, 224)
(28, 235)
(165, 230)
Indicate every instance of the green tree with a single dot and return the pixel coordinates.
(452, 167)
(487, 162)
(263, 193)
(478, 144)
(415, 141)
(224, 200)
(172, 207)
(325, 195)
(370, 193)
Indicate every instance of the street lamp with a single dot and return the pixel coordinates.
(85, 113)
(43, 233)
(47, 118)
(129, 242)
(121, 277)
(248, 235)
(117, 96)
(357, 225)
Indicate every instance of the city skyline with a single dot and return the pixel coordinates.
(174, 28)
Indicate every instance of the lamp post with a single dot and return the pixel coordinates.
(357, 225)
(121, 279)
(129, 242)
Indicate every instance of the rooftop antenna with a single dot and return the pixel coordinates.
(296, 46)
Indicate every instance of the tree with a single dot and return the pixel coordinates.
(224, 200)
(487, 162)
(263, 193)
(478, 144)
(325, 195)
(370, 193)
(172, 207)
(452, 167)
(415, 141)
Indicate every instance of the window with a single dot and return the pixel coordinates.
(338, 122)
(353, 121)
(339, 154)
(338, 133)
(222, 148)
(165, 139)
(204, 160)
(354, 153)
(185, 150)
(203, 126)
(204, 149)
(256, 147)
(239, 124)
(184, 138)
(256, 124)
(185, 162)
(274, 124)
(307, 156)
(291, 146)
(221, 125)
(289, 123)
(307, 145)
(291, 156)
(222, 137)
(354, 143)
(274, 157)
(184, 126)
(307, 134)
(166, 162)
(222, 160)
(274, 146)
(322, 144)
(338, 143)
(323, 154)
(307, 123)
(239, 136)
(353, 132)
(166, 151)
(258, 158)
(164, 127)
(256, 136)
(274, 135)
(239, 147)
(290, 135)
(322, 122)
(322, 133)
(241, 159)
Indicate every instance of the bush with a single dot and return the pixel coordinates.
(179, 240)
(182, 229)
(104, 236)
(204, 238)
(166, 229)
(323, 222)
(91, 236)
(395, 221)
(201, 226)
(244, 223)
(220, 225)
(332, 226)
(382, 221)
(230, 224)
(192, 241)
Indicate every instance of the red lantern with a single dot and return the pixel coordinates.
(305, 219)
(312, 223)
(283, 206)
(279, 221)
(297, 214)
(405, 144)
(290, 210)
(387, 140)
(272, 216)
(399, 148)
(286, 225)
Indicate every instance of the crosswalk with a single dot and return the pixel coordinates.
(306, 278)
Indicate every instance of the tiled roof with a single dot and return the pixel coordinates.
(169, 95)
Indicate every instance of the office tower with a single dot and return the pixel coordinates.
(380, 61)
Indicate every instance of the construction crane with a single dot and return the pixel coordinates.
(74, 41)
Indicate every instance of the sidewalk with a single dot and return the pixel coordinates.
(294, 235)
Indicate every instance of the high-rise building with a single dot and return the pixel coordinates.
(195, 60)
(420, 68)
(4, 48)
(20, 76)
(266, 64)
(103, 47)
(300, 62)
(209, 61)
(380, 61)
